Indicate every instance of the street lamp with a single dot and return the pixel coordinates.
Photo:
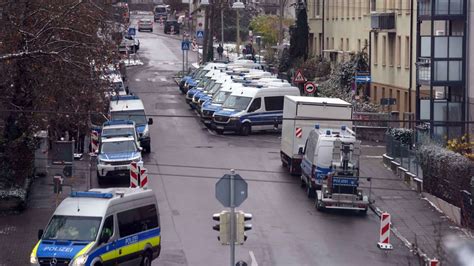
(237, 6)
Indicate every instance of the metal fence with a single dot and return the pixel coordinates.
(404, 154)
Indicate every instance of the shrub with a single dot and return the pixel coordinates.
(404, 135)
(462, 146)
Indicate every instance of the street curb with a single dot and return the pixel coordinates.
(412, 247)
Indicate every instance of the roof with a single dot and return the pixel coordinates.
(320, 100)
(124, 103)
(96, 204)
(117, 139)
(251, 91)
(118, 123)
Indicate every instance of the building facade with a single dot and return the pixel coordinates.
(443, 67)
(382, 28)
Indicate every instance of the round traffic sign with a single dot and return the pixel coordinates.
(310, 87)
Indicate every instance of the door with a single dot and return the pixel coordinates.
(254, 113)
(273, 112)
(109, 256)
(127, 245)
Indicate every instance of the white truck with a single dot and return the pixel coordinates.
(300, 114)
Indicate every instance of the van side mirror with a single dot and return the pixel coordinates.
(301, 150)
(40, 233)
(150, 121)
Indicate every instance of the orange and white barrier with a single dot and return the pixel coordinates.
(384, 241)
(138, 176)
(433, 262)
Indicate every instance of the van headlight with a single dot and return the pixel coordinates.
(34, 259)
(80, 261)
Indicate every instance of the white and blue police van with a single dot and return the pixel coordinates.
(130, 107)
(113, 226)
(317, 155)
(252, 108)
(115, 156)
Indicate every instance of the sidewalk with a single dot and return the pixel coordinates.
(414, 220)
(19, 231)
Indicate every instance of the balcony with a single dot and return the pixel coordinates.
(383, 21)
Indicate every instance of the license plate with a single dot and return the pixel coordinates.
(120, 168)
(220, 127)
(207, 122)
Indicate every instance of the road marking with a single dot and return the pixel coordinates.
(150, 79)
(163, 79)
(137, 80)
(253, 260)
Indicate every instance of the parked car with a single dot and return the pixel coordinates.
(171, 25)
(145, 24)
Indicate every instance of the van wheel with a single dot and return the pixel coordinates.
(100, 180)
(302, 182)
(245, 129)
(146, 259)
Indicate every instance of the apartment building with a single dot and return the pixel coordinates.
(381, 28)
(444, 87)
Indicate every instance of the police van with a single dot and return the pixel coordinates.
(252, 108)
(101, 227)
(130, 107)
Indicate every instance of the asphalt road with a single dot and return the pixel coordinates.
(186, 161)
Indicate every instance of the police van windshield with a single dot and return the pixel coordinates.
(117, 86)
(239, 103)
(72, 228)
(324, 154)
(118, 146)
(220, 97)
(215, 88)
(138, 116)
(209, 85)
(124, 131)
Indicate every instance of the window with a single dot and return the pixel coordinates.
(358, 45)
(341, 45)
(256, 104)
(327, 43)
(405, 100)
(359, 8)
(398, 100)
(376, 49)
(375, 94)
(318, 7)
(137, 220)
(407, 52)
(400, 6)
(384, 50)
(408, 6)
(347, 44)
(373, 5)
(399, 51)
(383, 92)
(274, 103)
(108, 228)
(391, 50)
(332, 43)
(348, 9)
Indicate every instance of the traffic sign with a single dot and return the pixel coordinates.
(299, 78)
(132, 31)
(310, 87)
(200, 34)
(362, 79)
(185, 45)
(223, 190)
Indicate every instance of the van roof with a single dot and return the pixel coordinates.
(118, 123)
(95, 202)
(124, 103)
(250, 91)
(321, 100)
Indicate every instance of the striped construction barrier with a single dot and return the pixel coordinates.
(384, 241)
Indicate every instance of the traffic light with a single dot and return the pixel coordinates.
(241, 218)
(223, 226)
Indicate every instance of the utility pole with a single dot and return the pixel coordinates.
(238, 33)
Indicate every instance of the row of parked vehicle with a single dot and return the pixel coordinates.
(241, 97)
(237, 97)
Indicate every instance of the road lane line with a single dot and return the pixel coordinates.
(373, 156)
(253, 260)
(137, 80)
(163, 79)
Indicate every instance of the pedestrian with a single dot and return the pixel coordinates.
(220, 51)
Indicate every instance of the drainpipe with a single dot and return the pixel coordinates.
(466, 94)
(322, 30)
(411, 58)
